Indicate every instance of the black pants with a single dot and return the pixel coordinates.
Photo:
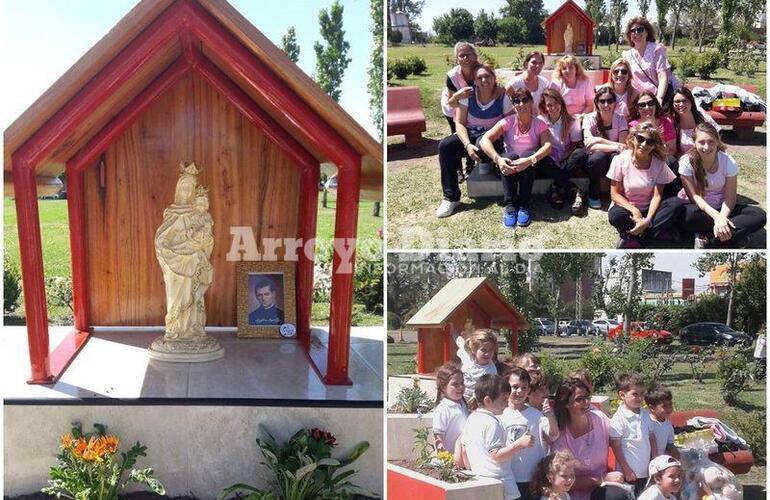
(561, 175)
(517, 188)
(452, 127)
(667, 216)
(598, 164)
(526, 493)
(450, 155)
(746, 218)
(673, 187)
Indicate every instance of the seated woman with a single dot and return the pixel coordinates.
(473, 117)
(530, 78)
(686, 116)
(647, 108)
(648, 60)
(459, 81)
(639, 212)
(585, 432)
(621, 81)
(604, 136)
(527, 143)
(710, 180)
(566, 150)
(571, 82)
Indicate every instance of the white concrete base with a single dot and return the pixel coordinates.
(194, 450)
(398, 382)
(185, 351)
(400, 433)
(475, 489)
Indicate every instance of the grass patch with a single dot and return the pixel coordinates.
(361, 317)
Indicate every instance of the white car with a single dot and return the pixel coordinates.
(603, 325)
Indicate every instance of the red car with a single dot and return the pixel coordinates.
(642, 330)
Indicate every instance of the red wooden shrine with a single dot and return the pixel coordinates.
(556, 24)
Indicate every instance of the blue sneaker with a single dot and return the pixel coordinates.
(509, 217)
(594, 203)
(522, 218)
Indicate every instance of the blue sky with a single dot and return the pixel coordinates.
(42, 39)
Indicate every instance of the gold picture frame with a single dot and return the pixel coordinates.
(261, 283)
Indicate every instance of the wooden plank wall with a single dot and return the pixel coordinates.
(579, 32)
(250, 181)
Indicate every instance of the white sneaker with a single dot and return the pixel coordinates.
(446, 208)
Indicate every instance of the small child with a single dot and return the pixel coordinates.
(477, 353)
(659, 401)
(666, 475)
(631, 437)
(528, 429)
(554, 476)
(484, 437)
(538, 390)
(451, 412)
(529, 362)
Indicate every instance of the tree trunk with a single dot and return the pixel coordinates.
(376, 209)
(323, 200)
(733, 260)
(629, 297)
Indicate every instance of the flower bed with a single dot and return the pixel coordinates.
(406, 484)
(400, 434)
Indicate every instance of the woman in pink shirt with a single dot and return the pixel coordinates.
(647, 108)
(459, 81)
(585, 432)
(639, 212)
(710, 180)
(686, 116)
(571, 82)
(621, 81)
(648, 60)
(530, 78)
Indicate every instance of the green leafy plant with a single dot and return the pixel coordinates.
(89, 467)
(743, 61)
(752, 428)
(445, 465)
(417, 65)
(423, 446)
(11, 285)
(733, 372)
(400, 68)
(696, 360)
(487, 58)
(368, 285)
(303, 468)
(412, 399)
(707, 63)
(600, 364)
(553, 369)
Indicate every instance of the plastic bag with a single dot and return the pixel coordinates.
(704, 479)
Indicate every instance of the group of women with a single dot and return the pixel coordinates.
(666, 163)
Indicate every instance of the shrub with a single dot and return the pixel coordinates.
(412, 399)
(400, 68)
(529, 340)
(687, 66)
(395, 36)
(487, 58)
(599, 362)
(58, 292)
(11, 285)
(752, 428)
(724, 42)
(553, 369)
(733, 372)
(707, 63)
(368, 284)
(417, 65)
(743, 62)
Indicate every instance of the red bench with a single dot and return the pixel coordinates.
(739, 462)
(405, 115)
(743, 122)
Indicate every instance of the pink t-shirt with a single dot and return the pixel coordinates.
(576, 98)
(456, 76)
(519, 82)
(714, 194)
(558, 147)
(590, 450)
(645, 68)
(519, 142)
(591, 129)
(685, 135)
(665, 126)
(621, 107)
(638, 185)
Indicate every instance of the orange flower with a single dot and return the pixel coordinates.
(79, 447)
(110, 444)
(66, 441)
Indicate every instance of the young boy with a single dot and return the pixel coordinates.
(631, 437)
(528, 429)
(665, 478)
(659, 401)
(483, 437)
(538, 390)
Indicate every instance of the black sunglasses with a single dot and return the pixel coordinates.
(620, 71)
(644, 140)
(645, 104)
(606, 101)
(637, 30)
(521, 100)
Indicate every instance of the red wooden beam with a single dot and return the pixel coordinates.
(76, 211)
(449, 355)
(308, 216)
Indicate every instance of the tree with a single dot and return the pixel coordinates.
(557, 268)
(375, 68)
(412, 9)
(485, 26)
(598, 12)
(733, 261)
(618, 9)
(331, 60)
(511, 30)
(452, 27)
(751, 295)
(677, 7)
(701, 19)
(644, 7)
(626, 294)
(662, 7)
(532, 12)
(289, 44)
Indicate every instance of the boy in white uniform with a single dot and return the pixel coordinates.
(660, 403)
(666, 478)
(484, 437)
(631, 437)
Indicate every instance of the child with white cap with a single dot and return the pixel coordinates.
(665, 479)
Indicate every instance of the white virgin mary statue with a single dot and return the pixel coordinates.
(183, 246)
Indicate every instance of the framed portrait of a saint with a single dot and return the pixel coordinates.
(266, 299)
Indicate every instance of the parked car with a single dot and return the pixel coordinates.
(545, 326)
(641, 330)
(562, 326)
(603, 326)
(713, 334)
(581, 327)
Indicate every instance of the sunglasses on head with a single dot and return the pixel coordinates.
(646, 104)
(641, 139)
(521, 100)
(620, 71)
(637, 30)
(606, 101)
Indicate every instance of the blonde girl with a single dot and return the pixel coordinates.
(478, 353)
(621, 81)
(554, 476)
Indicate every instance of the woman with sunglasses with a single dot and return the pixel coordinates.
(604, 135)
(639, 212)
(459, 81)
(647, 108)
(649, 60)
(530, 78)
(473, 117)
(686, 116)
(621, 82)
(575, 87)
(709, 176)
(527, 144)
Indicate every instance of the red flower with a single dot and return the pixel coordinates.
(696, 349)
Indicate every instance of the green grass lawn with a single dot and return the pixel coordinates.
(688, 394)
(478, 224)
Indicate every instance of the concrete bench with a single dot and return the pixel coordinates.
(405, 115)
(743, 122)
(484, 181)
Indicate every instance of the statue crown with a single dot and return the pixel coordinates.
(189, 168)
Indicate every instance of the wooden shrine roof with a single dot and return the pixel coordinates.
(569, 5)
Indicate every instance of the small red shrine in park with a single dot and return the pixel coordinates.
(582, 27)
(182, 80)
(463, 305)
